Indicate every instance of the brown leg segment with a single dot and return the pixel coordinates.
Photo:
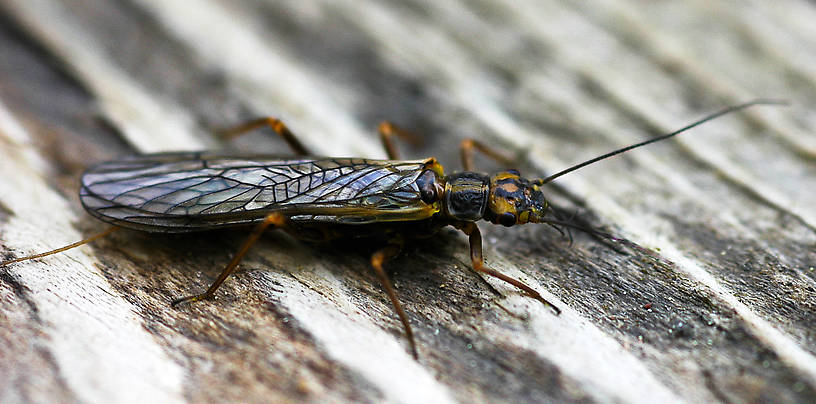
(377, 260)
(475, 237)
(467, 147)
(387, 131)
(274, 219)
(273, 123)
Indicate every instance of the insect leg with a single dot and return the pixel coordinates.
(273, 123)
(475, 238)
(273, 219)
(387, 131)
(467, 147)
(377, 260)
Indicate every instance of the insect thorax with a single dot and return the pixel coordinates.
(466, 196)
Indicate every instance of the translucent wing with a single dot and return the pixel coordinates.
(182, 192)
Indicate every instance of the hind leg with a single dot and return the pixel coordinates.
(276, 126)
(274, 219)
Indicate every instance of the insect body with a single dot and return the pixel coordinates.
(320, 199)
(315, 199)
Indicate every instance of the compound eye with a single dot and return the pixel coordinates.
(507, 219)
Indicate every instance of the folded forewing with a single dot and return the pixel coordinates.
(178, 192)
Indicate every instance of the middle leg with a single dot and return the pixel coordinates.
(468, 146)
(377, 259)
(387, 132)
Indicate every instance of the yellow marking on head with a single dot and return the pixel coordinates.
(505, 175)
(509, 187)
(500, 205)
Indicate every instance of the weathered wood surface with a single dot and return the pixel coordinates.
(722, 309)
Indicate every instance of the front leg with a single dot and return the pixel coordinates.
(475, 238)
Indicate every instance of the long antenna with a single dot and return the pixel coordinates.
(724, 111)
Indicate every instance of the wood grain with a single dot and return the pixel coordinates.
(718, 306)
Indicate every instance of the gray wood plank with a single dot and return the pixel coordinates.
(718, 306)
